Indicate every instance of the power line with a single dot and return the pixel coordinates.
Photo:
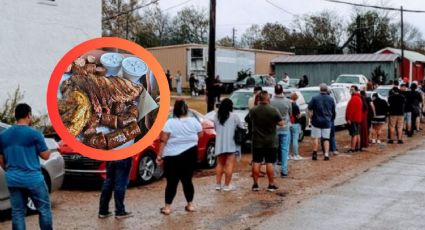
(376, 7)
(280, 8)
(177, 5)
(130, 10)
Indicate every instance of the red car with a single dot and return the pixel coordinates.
(144, 168)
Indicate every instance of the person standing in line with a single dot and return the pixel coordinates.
(354, 117)
(218, 86)
(286, 78)
(416, 107)
(303, 82)
(264, 120)
(295, 127)
(254, 98)
(322, 112)
(396, 102)
(21, 146)
(178, 152)
(117, 179)
(225, 123)
(284, 106)
(179, 80)
(168, 75)
(378, 121)
(368, 113)
(408, 108)
(332, 139)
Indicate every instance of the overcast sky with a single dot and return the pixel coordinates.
(242, 13)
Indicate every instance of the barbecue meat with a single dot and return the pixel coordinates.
(102, 91)
(76, 117)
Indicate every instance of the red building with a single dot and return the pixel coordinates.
(413, 63)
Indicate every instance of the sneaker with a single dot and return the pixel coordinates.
(218, 187)
(124, 215)
(335, 152)
(289, 157)
(283, 175)
(351, 151)
(103, 216)
(228, 188)
(272, 188)
(255, 188)
(326, 158)
(378, 141)
(390, 142)
(297, 158)
(373, 141)
(314, 156)
(400, 142)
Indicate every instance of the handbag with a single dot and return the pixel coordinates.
(240, 135)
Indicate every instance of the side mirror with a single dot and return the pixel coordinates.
(217, 105)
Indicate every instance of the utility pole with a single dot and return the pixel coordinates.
(211, 58)
(402, 43)
(358, 35)
(233, 37)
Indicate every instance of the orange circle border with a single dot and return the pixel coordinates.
(52, 105)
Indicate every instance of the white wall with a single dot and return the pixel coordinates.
(34, 35)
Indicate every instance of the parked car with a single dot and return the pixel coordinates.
(240, 104)
(384, 91)
(347, 80)
(340, 94)
(145, 169)
(260, 80)
(53, 171)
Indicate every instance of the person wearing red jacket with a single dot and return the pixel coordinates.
(354, 116)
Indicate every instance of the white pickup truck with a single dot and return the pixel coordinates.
(347, 80)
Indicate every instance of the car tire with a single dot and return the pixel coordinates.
(146, 168)
(210, 158)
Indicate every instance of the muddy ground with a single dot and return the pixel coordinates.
(76, 205)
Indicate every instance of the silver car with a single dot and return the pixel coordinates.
(53, 170)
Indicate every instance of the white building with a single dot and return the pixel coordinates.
(34, 36)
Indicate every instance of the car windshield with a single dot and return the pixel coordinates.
(308, 95)
(383, 92)
(240, 99)
(347, 79)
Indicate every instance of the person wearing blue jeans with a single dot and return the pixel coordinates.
(40, 196)
(295, 138)
(295, 127)
(284, 137)
(117, 178)
(21, 148)
(284, 106)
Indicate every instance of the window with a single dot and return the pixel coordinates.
(348, 79)
(240, 99)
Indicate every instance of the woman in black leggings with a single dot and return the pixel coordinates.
(178, 152)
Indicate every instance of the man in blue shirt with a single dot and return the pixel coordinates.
(20, 149)
(322, 112)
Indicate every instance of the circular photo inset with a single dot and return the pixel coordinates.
(104, 102)
(103, 99)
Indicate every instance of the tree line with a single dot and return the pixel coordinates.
(325, 32)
